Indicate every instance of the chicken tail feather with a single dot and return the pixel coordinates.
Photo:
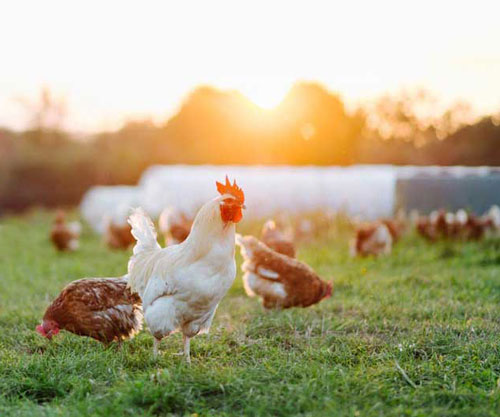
(143, 231)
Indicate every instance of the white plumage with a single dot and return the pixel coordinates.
(182, 285)
(494, 214)
(144, 232)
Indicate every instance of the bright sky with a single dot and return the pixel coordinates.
(116, 59)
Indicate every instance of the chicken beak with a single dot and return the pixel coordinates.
(40, 331)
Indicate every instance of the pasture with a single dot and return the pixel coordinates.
(416, 334)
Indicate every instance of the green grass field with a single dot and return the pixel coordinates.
(416, 334)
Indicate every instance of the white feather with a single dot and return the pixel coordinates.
(144, 231)
(75, 227)
(267, 273)
(253, 284)
(73, 244)
(494, 215)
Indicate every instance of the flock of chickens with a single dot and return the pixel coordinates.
(458, 226)
(379, 238)
(178, 288)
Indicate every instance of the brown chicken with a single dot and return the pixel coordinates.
(118, 236)
(277, 240)
(426, 229)
(101, 308)
(475, 228)
(455, 226)
(281, 281)
(372, 239)
(442, 225)
(396, 228)
(305, 229)
(64, 235)
(438, 225)
(174, 225)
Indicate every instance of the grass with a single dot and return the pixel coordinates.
(414, 334)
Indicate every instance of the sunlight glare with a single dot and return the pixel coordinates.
(266, 96)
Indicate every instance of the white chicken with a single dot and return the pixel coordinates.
(182, 285)
(174, 225)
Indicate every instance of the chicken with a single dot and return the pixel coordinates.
(182, 285)
(491, 220)
(374, 239)
(453, 225)
(460, 225)
(276, 239)
(494, 215)
(281, 281)
(475, 228)
(414, 217)
(174, 225)
(101, 308)
(426, 229)
(305, 229)
(118, 236)
(396, 228)
(65, 236)
(440, 222)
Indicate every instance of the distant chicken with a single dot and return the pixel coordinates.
(101, 308)
(440, 222)
(118, 236)
(426, 229)
(494, 215)
(475, 228)
(277, 240)
(305, 229)
(414, 217)
(174, 225)
(65, 236)
(492, 221)
(281, 281)
(396, 228)
(454, 226)
(374, 239)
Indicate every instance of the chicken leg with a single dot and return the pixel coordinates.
(187, 354)
(156, 345)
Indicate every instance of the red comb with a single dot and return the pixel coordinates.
(233, 189)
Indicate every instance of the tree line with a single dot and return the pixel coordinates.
(47, 166)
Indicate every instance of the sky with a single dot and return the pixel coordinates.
(115, 60)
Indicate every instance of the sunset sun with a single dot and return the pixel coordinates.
(266, 96)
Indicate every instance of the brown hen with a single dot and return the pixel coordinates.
(119, 236)
(64, 236)
(281, 281)
(101, 308)
(276, 239)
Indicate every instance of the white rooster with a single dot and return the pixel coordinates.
(182, 285)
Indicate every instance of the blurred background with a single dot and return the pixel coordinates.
(101, 93)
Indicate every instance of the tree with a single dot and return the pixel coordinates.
(46, 114)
